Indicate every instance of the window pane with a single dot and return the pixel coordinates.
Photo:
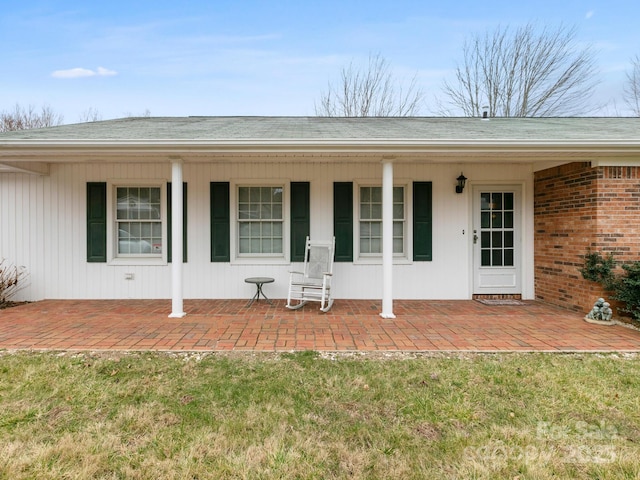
(508, 239)
(508, 219)
(365, 195)
(485, 241)
(508, 201)
(154, 196)
(365, 229)
(398, 211)
(266, 245)
(243, 195)
(365, 245)
(398, 194)
(243, 211)
(485, 199)
(376, 229)
(485, 220)
(376, 211)
(276, 211)
(376, 194)
(245, 245)
(496, 220)
(486, 258)
(244, 229)
(277, 229)
(376, 245)
(398, 246)
(365, 212)
(496, 200)
(496, 239)
(496, 258)
(277, 245)
(508, 257)
(265, 212)
(398, 228)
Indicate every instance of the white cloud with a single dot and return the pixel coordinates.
(83, 72)
(105, 72)
(589, 14)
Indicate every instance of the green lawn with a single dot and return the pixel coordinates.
(306, 415)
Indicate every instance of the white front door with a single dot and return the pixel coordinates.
(497, 240)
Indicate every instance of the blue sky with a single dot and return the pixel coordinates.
(223, 57)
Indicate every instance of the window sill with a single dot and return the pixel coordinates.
(138, 261)
(260, 261)
(378, 261)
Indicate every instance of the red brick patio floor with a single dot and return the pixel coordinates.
(351, 325)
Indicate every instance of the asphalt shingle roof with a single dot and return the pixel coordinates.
(323, 129)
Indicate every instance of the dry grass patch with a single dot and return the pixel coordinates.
(305, 415)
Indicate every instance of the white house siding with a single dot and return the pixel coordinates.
(43, 226)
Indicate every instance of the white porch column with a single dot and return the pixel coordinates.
(177, 309)
(387, 239)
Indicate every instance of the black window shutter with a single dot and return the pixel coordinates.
(96, 222)
(422, 222)
(184, 222)
(343, 220)
(220, 222)
(300, 219)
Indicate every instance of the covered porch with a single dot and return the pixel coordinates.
(350, 326)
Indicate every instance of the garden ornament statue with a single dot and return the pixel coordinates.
(601, 311)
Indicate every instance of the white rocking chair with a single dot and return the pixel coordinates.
(314, 283)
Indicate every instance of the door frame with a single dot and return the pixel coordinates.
(519, 237)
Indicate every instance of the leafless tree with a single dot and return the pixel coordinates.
(90, 115)
(370, 92)
(23, 118)
(523, 73)
(632, 87)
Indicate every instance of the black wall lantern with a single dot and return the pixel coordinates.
(461, 182)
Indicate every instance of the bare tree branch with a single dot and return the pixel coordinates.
(90, 115)
(23, 118)
(369, 92)
(523, 74)
(632, 87)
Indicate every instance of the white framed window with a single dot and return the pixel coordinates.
(138, 218)
(370, 221)
(260, 221)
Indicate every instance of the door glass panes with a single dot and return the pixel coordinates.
(497, 229)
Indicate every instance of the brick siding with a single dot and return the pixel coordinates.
(578, 208)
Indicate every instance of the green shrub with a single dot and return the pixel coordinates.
(627, 289)
(599, 269)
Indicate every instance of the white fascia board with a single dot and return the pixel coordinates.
(75, 150)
